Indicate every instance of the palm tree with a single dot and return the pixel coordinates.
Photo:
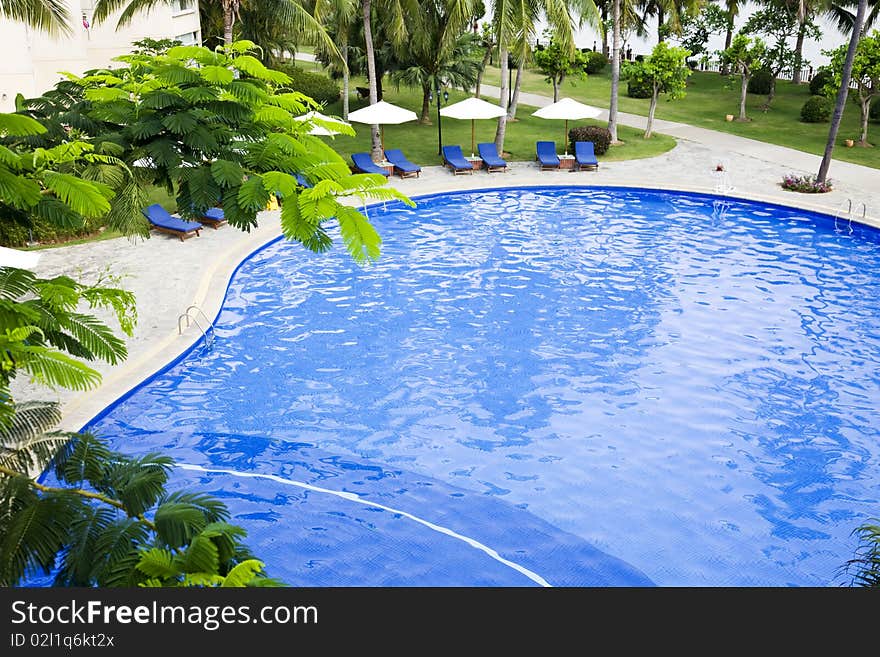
(340, 14)
(516, 25)
(615, 71)
(395, 14)
(669, 12)
(731, 9)
(47, 15)
(840, 105)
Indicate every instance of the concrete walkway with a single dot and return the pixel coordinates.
(167, 275)
(724, 143)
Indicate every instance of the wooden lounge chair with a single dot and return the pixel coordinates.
(213, 217)
(585, 156)
(491, 160)
(363, 163)
(545, 153)
(402, 166)
(454, 159)
(162, 220)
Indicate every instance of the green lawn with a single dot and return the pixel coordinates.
(710, 96)
(420, 141)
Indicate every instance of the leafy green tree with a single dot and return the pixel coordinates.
(338, 16)
(665, 71)
(218, 127)
(110, 520)
(865, 74)
(744, 57)
(779, 22)
(671, 14)
(558, 64)
(696, 29)
(47, 15)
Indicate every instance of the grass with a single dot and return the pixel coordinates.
(420, 141)
(710, 96)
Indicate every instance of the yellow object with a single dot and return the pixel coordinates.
(273, 203)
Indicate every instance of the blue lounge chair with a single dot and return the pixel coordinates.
(585, 155)
(214, 217)
(454, 159)
(402, 166)
(364, 164)
(164, 221)
(302, 181)
(491, 160)
(545, 153)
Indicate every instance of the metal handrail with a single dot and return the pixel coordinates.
(209, 336)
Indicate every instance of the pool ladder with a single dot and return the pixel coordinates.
(849, 213)
(207, 333)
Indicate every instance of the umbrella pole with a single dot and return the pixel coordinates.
(565, 137)
(473, 140)
(382, 135)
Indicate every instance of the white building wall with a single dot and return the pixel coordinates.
(31, 61)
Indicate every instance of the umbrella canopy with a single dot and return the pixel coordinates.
(566, 109)
(321, 130)
(382, 113)
(18, 259)
(472, 108)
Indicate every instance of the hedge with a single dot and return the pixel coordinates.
(601, 137)
(315, 85)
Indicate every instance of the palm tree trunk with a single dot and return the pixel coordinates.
(728, 38)
(603, 30)
(228, 20)
(846, 76)
(615, 72)
(502, 101)
(375, 141)
(661, 16)
(517, 85)
(425, 117)
(486, 57)
(799, 53)
(345, 80)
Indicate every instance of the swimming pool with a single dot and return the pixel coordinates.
(563, 386)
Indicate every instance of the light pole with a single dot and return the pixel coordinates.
(439, 120)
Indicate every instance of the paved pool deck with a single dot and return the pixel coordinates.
(167, 275)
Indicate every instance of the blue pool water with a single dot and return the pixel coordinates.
(574, 387)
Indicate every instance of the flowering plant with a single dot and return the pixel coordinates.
(806, 184)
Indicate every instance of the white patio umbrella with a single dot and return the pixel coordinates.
(18, 259)
(382, 113)
(473, 109)
(321, 130)
(567, 108)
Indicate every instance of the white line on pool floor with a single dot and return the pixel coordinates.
(354, 497)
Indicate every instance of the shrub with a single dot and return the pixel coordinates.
(805, 184)
(596, 61)
(874, 114)
(16, 230)
(817, 109)
(315, 85)
(639, 89)
(760, 82)
(601, 137)
(820, 79)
